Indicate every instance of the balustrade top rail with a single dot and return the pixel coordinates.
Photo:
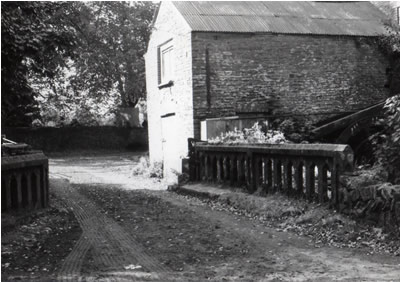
(343, 152)
(21, 161)
(311, 170)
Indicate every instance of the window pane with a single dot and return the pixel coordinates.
(166, 64)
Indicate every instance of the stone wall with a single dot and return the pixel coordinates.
(366, 196)
(51, 139)
(284, 74)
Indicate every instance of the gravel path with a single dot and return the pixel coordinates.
(115, 249)
(134, 230)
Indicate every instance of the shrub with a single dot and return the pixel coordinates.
(388, 152)
(147, 169)
(257, 134)
(296, 130)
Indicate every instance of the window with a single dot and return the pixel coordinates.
(165, 64)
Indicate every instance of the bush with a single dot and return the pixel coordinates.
(257, 134)
(388, 152)
(296, 130)
(147, 169)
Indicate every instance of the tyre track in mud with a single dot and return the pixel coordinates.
(114, 248)
(295, 258)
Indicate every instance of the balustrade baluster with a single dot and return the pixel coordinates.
(335, 185)
(310, 180)
(29, 188)
(225, 162)
(268, 173)
(214, 168)
(287, 177)
(247, 172)
(256, 174)
(206, 168)
(298, 176)
(38, 189)
(322, 183)
(219, 169)
(241, 171)
(250, 173)
(211, 171)
(233, 170)
(265, 174)
(46, 170)
(19, 190)
(277, 175)
(260, 172)
(8, 192)
(198, 166)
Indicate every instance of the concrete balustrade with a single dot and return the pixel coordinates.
(25, 182)
(311, 171)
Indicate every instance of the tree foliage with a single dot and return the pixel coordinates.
(36, 38)
(114, 38)
(388, 150)
(390, 44)
(65, 55)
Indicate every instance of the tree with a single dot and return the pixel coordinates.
(390, 45)
(36, 38)
(71, 54)
(114, 39)
(388, 150)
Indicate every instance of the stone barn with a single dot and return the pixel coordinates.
(216, 59)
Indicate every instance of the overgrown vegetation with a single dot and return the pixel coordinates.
(147, 169)
(79, 60)
(257, 134)
(388, 142)
(296, 130)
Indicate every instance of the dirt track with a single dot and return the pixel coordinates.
(135, 234)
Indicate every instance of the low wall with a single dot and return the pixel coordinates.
(24, 181)
(306, 170)
(366, 197)
(51, 139)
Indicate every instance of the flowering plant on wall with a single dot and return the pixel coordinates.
(257, 134)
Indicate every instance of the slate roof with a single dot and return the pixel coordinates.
(319, 18)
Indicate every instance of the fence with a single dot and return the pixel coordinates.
(24, 181)
(308, 170)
